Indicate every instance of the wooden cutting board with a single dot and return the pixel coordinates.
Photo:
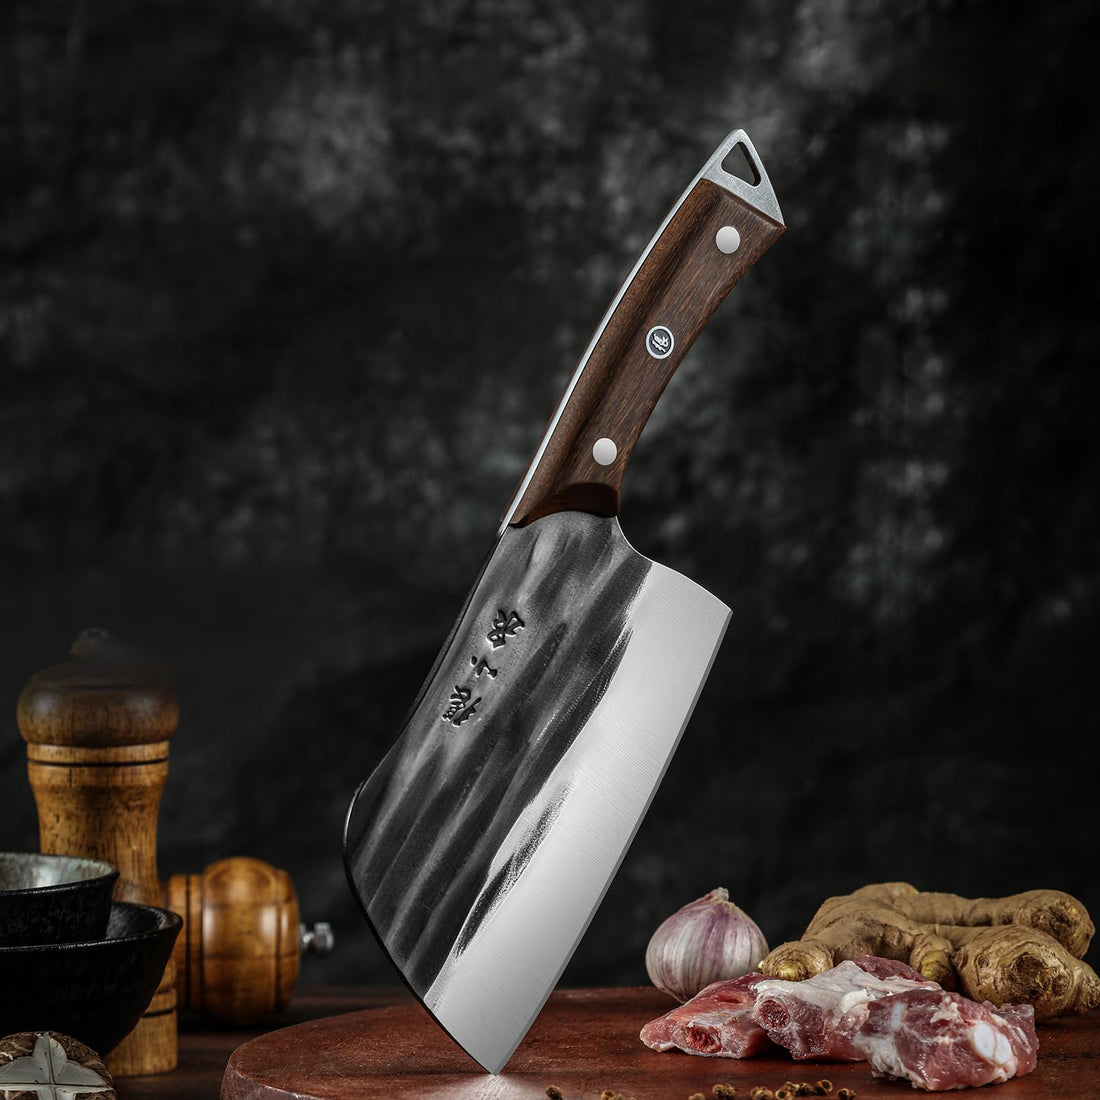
(584, 1041)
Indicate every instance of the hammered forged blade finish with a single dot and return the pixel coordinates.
(482, 844)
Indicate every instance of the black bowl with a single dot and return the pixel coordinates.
(53, 899)
(95, 992)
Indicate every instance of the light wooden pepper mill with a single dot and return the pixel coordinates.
(97, 729)
(238, 956)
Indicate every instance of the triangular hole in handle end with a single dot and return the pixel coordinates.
(738, 162)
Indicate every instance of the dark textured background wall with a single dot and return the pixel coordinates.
(290, 288)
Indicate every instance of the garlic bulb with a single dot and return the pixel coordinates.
(710, 940)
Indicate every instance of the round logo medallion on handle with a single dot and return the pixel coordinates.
(659, 342)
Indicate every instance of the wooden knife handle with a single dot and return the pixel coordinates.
(717, 230)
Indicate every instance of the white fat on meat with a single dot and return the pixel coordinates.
(937, 1040)
(818, 1017)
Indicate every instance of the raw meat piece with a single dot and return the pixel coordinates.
(818, 1017)
(888, 968)
(939, 1040)
(717, 1022)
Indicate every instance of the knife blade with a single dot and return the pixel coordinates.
(480, 847)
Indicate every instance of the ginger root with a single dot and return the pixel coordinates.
(1025, 948)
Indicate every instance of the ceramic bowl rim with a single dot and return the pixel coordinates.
(167, 921)
(107, 871)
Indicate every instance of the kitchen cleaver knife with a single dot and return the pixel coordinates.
(482, 844)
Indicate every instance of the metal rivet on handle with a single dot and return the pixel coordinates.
(604, 451)
(728, 239)
(659, 342)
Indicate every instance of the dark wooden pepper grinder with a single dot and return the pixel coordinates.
(237, 957)
(97, 729)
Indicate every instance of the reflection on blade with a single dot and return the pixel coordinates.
(482, 844)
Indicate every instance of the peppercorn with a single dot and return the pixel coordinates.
(554, 1093)
(723, 1091)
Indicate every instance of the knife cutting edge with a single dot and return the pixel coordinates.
(482, 844)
